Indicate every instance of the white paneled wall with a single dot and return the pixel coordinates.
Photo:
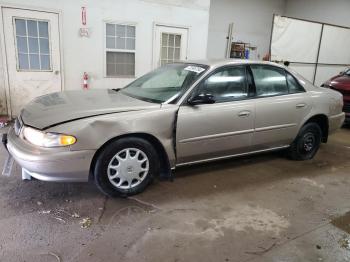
(252, 19)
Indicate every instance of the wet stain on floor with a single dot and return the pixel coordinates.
(342, 222)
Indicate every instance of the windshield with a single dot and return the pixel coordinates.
(166, 83)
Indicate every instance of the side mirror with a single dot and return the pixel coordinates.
(201, 99)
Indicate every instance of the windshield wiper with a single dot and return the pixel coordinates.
(116, 89)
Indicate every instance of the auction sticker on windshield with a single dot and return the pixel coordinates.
(195, 69)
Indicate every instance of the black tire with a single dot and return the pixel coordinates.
(101, 167)
(307, 143)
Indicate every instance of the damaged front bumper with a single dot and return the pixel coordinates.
(49, 164)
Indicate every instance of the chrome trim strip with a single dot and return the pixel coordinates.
(199, 138)
(274, 127)
(229, 156)
(241, 132)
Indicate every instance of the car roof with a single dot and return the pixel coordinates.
(216, 63)
(223, 62)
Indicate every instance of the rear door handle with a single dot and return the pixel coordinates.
(244, 113)
(301, 105)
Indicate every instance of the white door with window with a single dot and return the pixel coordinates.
(33, 55)
(170, 45)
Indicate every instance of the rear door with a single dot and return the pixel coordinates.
(281, 105)
(221, 129)
(33, 55)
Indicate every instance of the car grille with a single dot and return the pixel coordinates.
(18, 126)
(346, 108)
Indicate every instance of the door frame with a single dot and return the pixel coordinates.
(155, 24)
(3, 47)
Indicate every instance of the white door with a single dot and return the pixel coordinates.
(170, 45)
(33, 55)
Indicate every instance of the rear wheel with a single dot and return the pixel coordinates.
(307, 143)
(126, 167)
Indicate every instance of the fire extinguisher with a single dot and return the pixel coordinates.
(85, 80)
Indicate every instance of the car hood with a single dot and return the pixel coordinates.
(62, 107)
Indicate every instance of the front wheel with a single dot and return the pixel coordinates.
(126, 167)
(307, 143)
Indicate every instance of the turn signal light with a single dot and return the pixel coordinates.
(67, 140)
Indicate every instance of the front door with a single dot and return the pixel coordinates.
(221, 129)
(170, 45)
(33, 55)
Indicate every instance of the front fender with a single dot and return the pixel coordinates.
(94, 132)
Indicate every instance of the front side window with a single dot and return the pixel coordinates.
(166, 83)
(228, 84)
(32, 45)
(269, 80)
(120, 50)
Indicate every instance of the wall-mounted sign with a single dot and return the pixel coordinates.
(83, 15)
(84, 32)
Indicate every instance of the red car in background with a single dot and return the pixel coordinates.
(341, 83)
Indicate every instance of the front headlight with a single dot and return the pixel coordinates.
(39, 138)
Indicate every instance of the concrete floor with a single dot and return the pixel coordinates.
(259, 208)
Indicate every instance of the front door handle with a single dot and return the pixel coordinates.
(301, 105)
(244, 113)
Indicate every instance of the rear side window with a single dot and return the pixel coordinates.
(293, 85)
(227, 84)
(269, 80)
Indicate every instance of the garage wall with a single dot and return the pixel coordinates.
(333, 12)
(252, 23)
(82, 54)
(333, 52)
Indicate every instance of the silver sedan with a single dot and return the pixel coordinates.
(179, 114)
